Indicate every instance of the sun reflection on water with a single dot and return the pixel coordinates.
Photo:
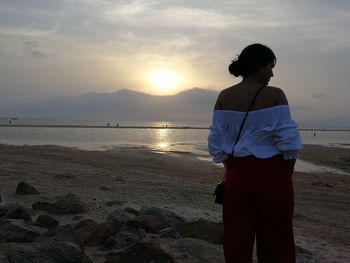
(163, 139)
(163, 145)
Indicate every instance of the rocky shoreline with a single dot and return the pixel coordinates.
(127, 235)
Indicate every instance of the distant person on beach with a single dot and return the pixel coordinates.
(259, 162)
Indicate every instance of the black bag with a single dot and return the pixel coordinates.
(219, 189)
(219, 193)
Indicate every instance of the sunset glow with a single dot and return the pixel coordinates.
(164, 81)
(66, 49)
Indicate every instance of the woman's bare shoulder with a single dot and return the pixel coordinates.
(222, 98)
(233, 98)
(228, 90)
(278, 95)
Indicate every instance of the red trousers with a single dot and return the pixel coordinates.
(258, 204)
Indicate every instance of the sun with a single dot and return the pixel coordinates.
(164, 81)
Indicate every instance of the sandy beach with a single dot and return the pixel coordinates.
(179, 182)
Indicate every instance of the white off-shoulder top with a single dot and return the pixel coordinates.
(266, 132)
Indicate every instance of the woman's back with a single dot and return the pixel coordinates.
(239, 97)
(268, 130)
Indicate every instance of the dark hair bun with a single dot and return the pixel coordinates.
(251, 59)
(234, 68)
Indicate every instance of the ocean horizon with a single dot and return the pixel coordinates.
(5, 121)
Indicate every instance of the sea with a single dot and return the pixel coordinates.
(164, 137)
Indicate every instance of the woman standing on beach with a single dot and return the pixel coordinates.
(259, 161)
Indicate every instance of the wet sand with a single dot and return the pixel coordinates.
(136, 177)
(334, 157)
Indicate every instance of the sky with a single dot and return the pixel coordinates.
(71, 47)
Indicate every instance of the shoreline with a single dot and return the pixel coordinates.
(328, 156)
(137, 177)
(146, 127)
(102, 126)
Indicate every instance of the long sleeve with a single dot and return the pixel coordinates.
(287, 137)
(215, 144)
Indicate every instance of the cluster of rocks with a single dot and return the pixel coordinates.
(150, 234)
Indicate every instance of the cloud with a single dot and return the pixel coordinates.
(159, 14)
(144, 16)
(320, 96)
(300, 107)
(28, 31)
(38, 54)
(98, 45)
(32, 47)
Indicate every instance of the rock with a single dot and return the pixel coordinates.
(121, 240)
(321, 184)
(64, 252)
(202, 229)
(129, 234)
(132, 211)
(303, 255)
(25, 189)
(150, 223)
(103, 232)
(120, 214)
(64, 176)
(114, 203)
(105, 188)
(134, 229)
(169, 233)
(18, 212)
(141, 253)
(69, 204)
(2, 238)
(188, 250)
(46, 221)
(61, 234)
(86, 223)
(120, 179)
(42, 205)
(4, 259)
(4, 208)
(49, 252)
(14, 230)
(76, 218)
(84, 229)
(164, 215)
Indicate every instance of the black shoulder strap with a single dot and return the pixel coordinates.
(245, 117)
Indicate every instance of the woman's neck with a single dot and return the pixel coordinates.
(249, 81)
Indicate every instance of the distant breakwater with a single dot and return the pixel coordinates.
(102, 126)
(143, 127)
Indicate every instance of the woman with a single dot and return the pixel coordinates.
(258, 197)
